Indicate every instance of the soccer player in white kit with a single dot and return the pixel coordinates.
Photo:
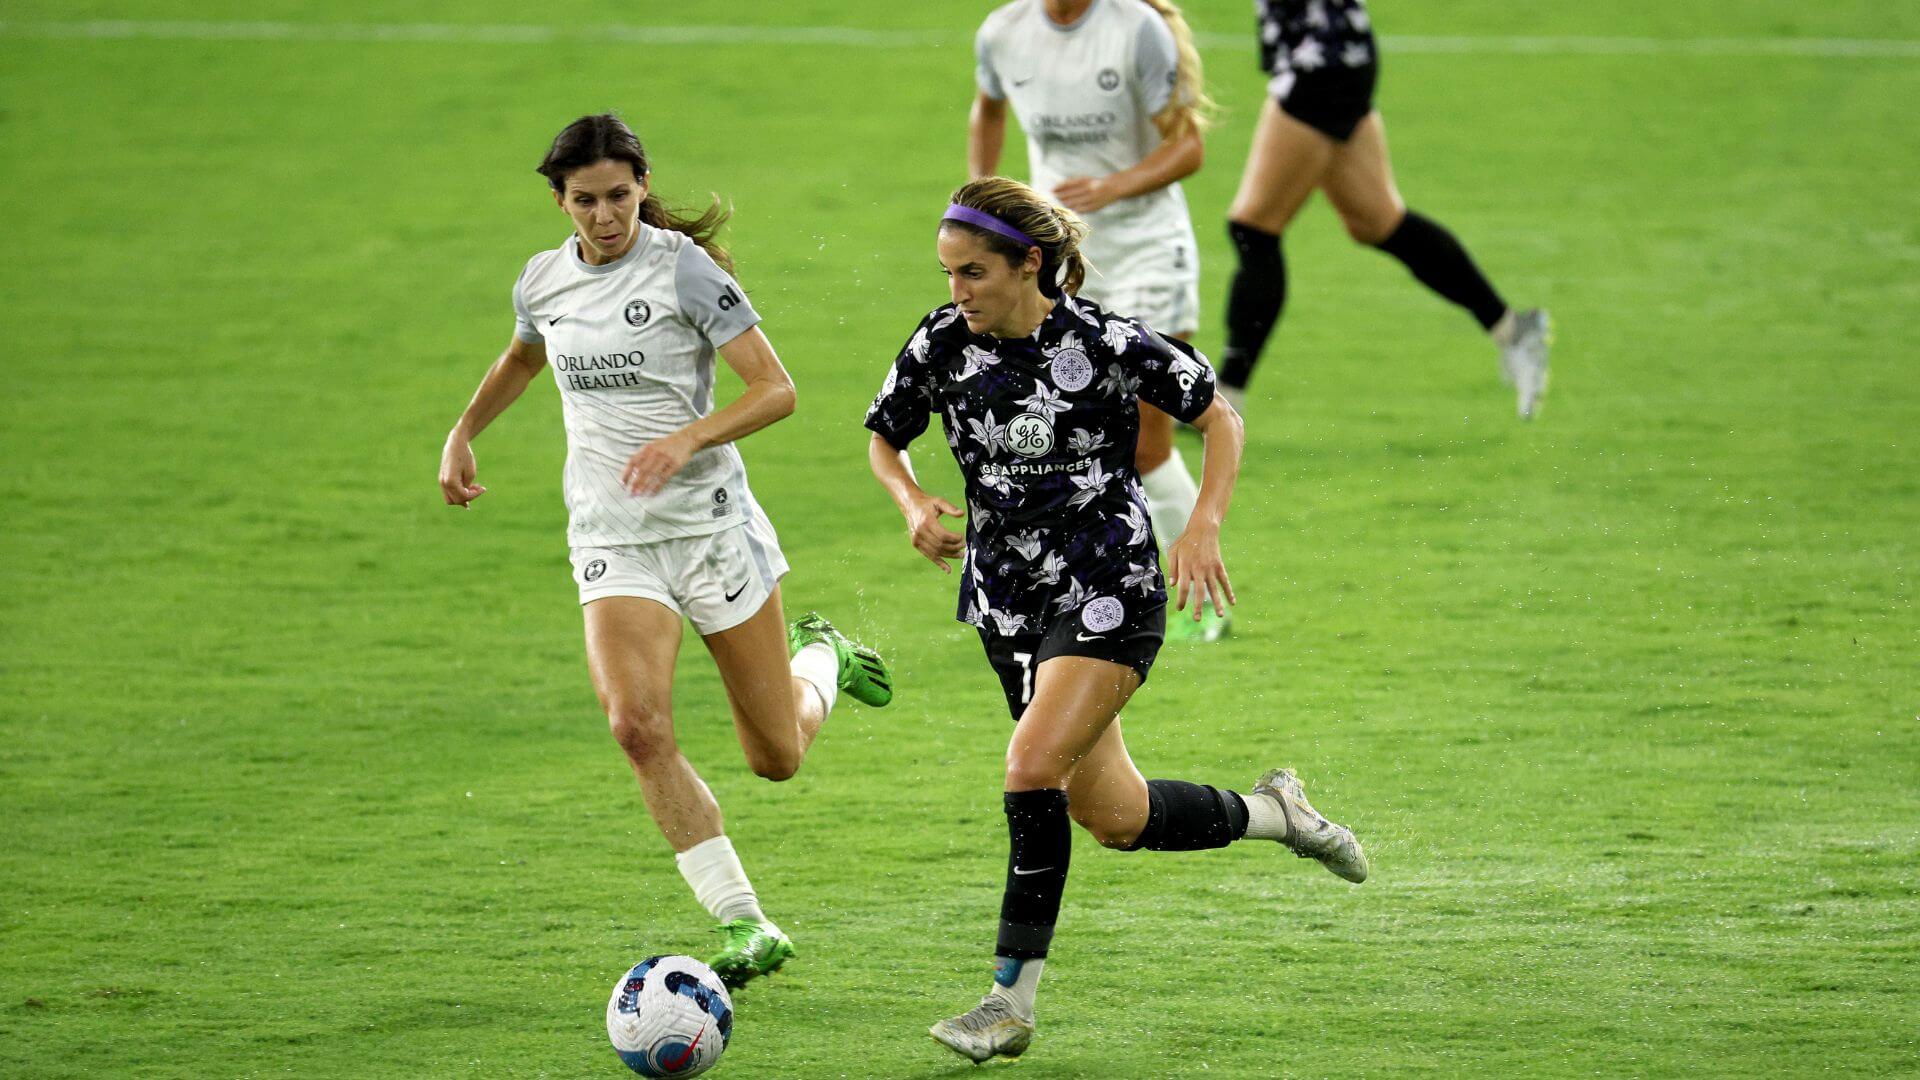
(1109, 94)
(630, 312)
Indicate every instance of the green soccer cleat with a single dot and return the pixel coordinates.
(863, 674)
(753, 949)
(1182, 628)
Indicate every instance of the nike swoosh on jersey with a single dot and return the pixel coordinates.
(555, 320)
(1089, 637)
(732, 596)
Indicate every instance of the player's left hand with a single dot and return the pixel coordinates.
(1194, 563)
(1085, 194)
(654, 464)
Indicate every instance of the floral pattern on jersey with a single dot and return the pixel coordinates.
(1313, 35)
(1053, 521)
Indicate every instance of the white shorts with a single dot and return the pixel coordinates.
(716, 581)
(1157, 283)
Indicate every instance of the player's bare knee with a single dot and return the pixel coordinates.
(1031, 771)
(774, 764)
(644, 732)
(1370, 230)
(1100, 824)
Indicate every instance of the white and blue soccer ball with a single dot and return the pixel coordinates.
(669, 1016)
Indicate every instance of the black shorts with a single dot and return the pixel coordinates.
(1131, 636)
(1331, 100)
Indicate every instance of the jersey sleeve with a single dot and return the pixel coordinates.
(900, 412)
(523, 325)
(1156, 63)
(1174, 377)
(710, 299)
(984, 74)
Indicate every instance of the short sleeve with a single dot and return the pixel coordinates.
(900, 412)
(983, 71)
(523, 325)
(1174, 377)
(710, 299)
(1156, 63)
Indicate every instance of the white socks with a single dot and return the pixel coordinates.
(1170, 497)
(1265, 819)
(718, 880)
(818, 666)
(1022, 981)
(1504, 330)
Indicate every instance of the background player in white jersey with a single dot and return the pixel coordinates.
(629, 312)
(1319, 129)
(1110, 95)
(1039, 395)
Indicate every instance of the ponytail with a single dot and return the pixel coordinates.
(1189, 110)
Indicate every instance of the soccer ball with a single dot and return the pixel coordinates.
(669, 1016)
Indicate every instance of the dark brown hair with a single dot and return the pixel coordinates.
(606, 137)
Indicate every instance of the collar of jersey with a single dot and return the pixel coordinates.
(642, 240)
(1072, 26)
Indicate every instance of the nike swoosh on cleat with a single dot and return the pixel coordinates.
(1024, 873)
(736, 593)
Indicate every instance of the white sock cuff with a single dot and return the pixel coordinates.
(1266, 820)
(818, 666)
(1169, 474)
(713, 871)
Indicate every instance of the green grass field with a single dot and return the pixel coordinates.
(301, 774)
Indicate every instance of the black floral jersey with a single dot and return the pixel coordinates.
(1303, 36)
(1044, 429)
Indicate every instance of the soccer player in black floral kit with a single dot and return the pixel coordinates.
(1038, 393)
(1318, 129)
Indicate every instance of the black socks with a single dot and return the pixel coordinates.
(1254, 300)
(1441, 264)
(1190, 817)
(1036, 871)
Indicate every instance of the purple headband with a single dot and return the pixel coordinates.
(986, 221)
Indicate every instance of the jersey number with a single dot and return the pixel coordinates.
(1025, 660)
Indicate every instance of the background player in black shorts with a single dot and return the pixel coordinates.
(1038, 393)
(1319, 129)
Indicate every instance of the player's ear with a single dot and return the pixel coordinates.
(1035, 260)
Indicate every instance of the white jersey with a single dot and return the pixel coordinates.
(1086, 94)
(632, 346)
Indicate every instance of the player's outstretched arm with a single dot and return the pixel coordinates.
(922, 511)
(503, 384)
(1193, 560)
(768, 399)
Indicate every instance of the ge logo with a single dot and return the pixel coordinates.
(1109, 80)
(1030, 434)
(594, 570)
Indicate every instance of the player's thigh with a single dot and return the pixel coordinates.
(632, 643)
(1075, 700)
(1359, 184)
(755, 669)
(1106, 793)
(1284, 165)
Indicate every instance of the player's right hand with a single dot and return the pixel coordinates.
(930, 538)
(456, 473)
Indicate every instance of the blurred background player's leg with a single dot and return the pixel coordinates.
(1359, 183)
(1284, 165)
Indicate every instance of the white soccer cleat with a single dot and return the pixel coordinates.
(1523, 359)
(1309, 835)
(990, 1028)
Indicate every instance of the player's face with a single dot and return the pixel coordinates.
(991, 293)
(603, 199)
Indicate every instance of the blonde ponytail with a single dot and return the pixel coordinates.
(1189, 110)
